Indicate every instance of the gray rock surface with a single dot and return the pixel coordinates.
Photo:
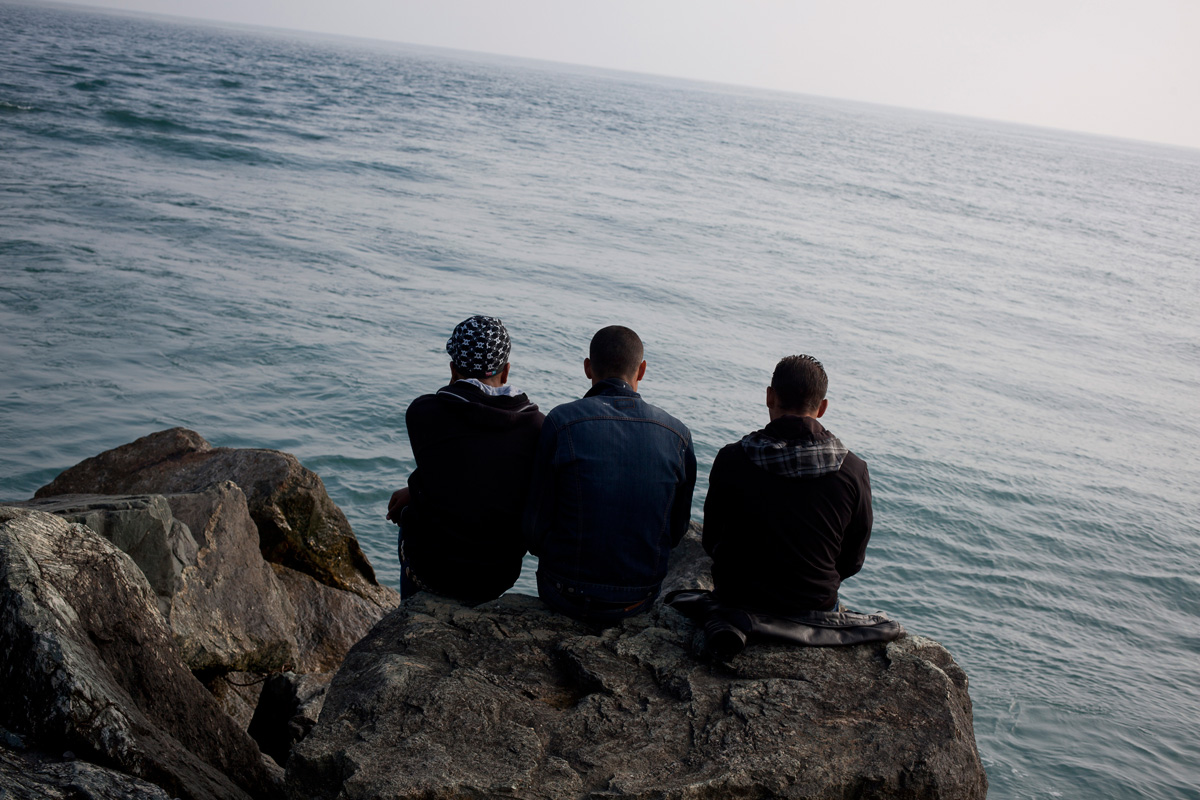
(510, 700)
(229, 609)
(31, 775)
(142, 526)
(237, 693)
(231, 613)
(89, 665)
(327, 621)
(299, 525)
(287, 711)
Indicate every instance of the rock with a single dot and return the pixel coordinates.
(231, 612)
(228, 608)
(690, 567)
(200, 552)
(327, 622)
(508, 699)
(299, 526)
(89, 665)
(237, 693)
(288, 710)
(37, 776)
(140, 525)
(11, 740)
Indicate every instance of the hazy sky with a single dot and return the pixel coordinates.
(1124, 68)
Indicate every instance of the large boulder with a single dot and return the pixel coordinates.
(298, 524)
(508, 699)
(229, 609)
(89, 665)
(231, 613)
(326, 621)
(32, 775)
(142, 526)
(200, 553)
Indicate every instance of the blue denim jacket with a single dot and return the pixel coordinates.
(611, 494)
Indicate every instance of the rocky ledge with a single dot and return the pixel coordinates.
(506, 699)
(183, 609)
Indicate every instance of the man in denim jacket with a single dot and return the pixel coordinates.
(612, 490)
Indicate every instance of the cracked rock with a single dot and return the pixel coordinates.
(508, 699)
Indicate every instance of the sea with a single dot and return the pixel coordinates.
(267, 237)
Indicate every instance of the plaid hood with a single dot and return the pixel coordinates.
(795, 447)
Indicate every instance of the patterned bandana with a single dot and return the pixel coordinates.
(479, 347)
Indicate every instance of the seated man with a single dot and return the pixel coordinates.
(612, 490)
(474, 442)
(788, 510)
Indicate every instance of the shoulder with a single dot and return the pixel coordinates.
(730, 457)
(854, 466)
(667, 419)
(569, 410)
(424, 404)
(730, 452)
(531, 419)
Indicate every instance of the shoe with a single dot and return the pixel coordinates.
(723, 640)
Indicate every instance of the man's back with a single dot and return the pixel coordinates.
(612, 490)
(784, 520)
(617, 495)
(474, 454)
(473, 441)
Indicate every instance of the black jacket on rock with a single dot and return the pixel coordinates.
(787, 517)
(474, 453)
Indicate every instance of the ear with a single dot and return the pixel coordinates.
(821, 408)
(504, 374)
(641, 371)
(454, 376)
(587, 368)
(772, 399)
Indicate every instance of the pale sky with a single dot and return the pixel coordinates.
(1128, 68)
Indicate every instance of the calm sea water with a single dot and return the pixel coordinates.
(268, 238)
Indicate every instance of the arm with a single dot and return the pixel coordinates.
(858, 533)
(400, 498)
(539, 507)
(681, 507)
(717, 521)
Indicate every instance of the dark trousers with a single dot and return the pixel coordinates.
(588, 609)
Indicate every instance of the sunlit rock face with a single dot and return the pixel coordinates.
(299, 526)
(90, 666)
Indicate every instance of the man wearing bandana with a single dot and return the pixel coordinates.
(474, 442)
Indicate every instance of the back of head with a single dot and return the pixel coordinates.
(479, 347)
(800, 383)
(615, 352)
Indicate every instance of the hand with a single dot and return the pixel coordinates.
(400, 498)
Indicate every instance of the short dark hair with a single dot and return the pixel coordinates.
(800, 383)
(616, 352)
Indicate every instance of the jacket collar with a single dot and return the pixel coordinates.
(462, 392)
(791, 426)
(795, 447)
(612, 386)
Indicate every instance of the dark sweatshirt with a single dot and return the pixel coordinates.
(474, 453)
(787, 517)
